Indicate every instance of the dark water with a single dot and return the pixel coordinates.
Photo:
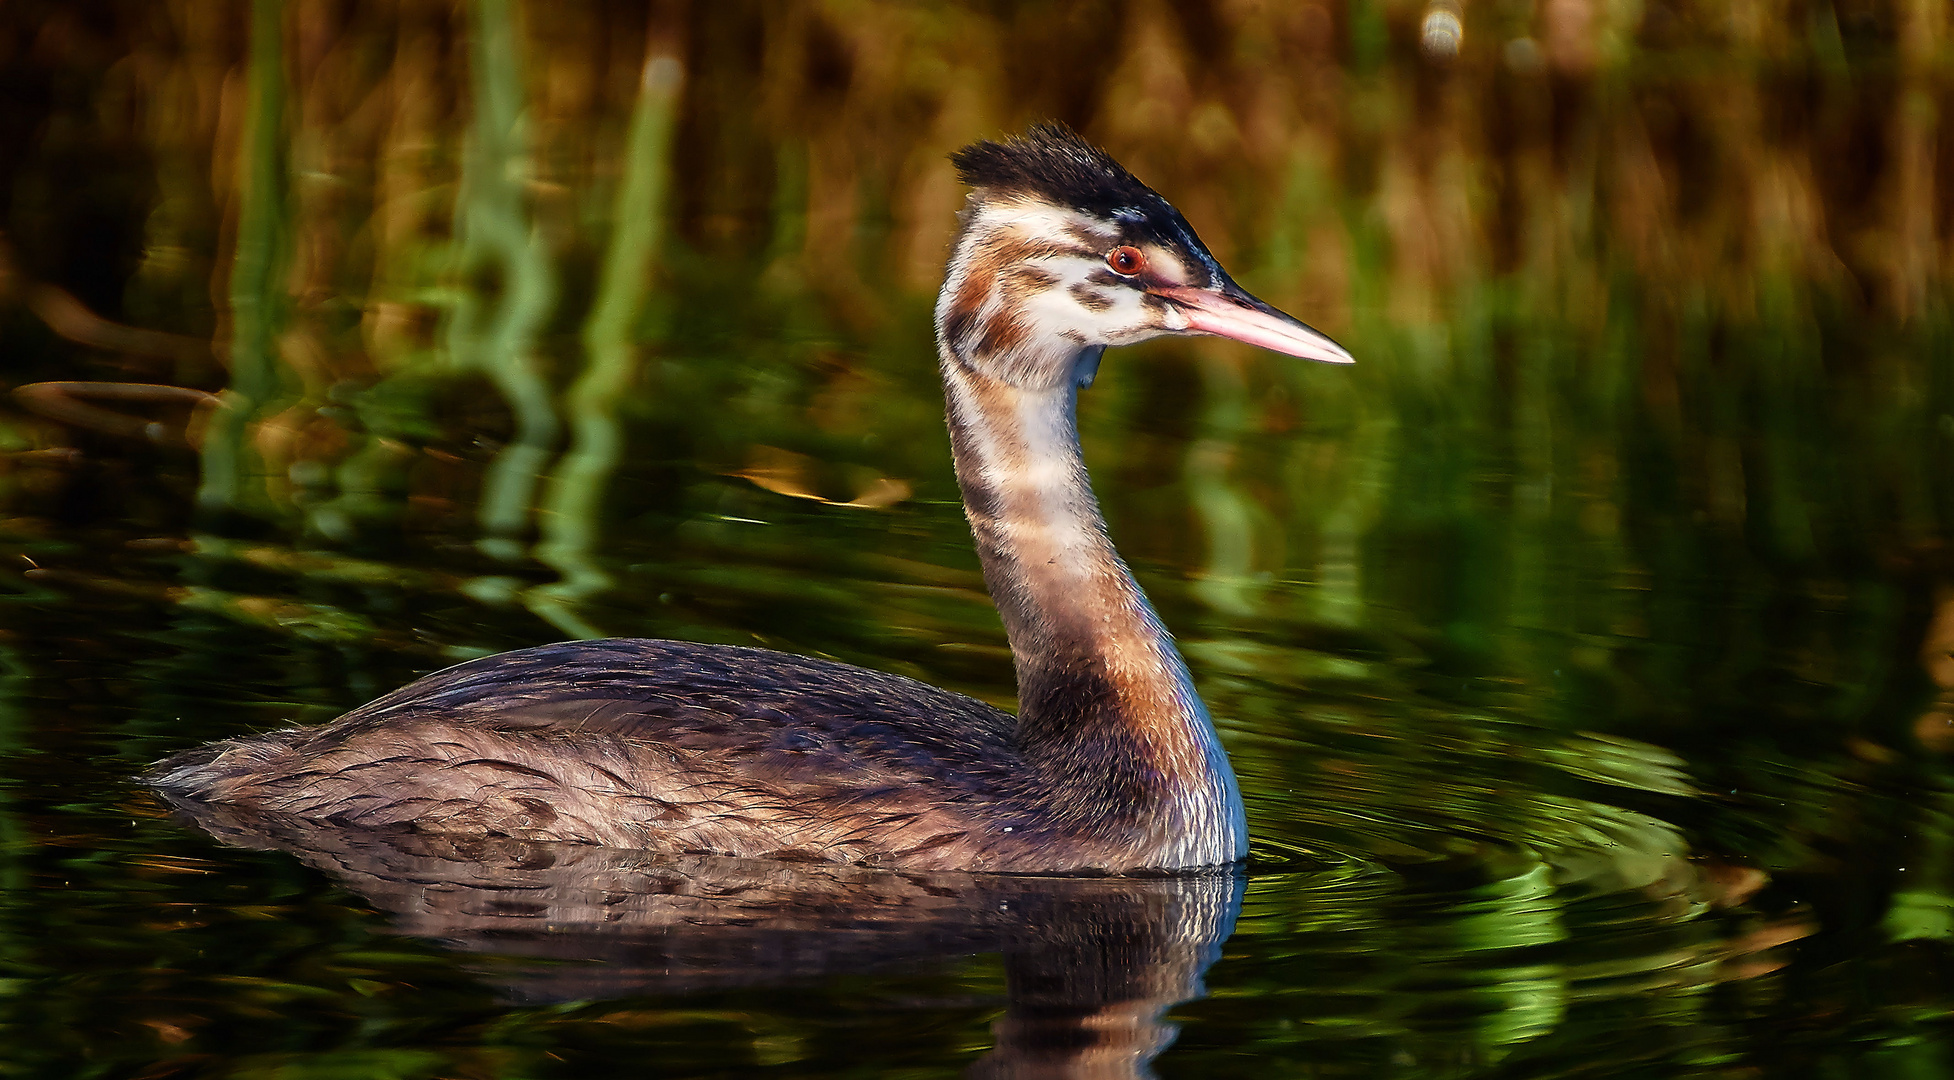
(1584, 650)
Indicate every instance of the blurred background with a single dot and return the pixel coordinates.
(348, 339)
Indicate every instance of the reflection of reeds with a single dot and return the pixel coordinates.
(1576, 248)
(573, 502)
(504, 279)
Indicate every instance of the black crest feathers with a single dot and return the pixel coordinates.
(1053, 163)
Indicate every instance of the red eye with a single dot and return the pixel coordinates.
(1126, 260)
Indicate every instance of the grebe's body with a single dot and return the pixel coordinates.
(679, 747)
(1111, 763)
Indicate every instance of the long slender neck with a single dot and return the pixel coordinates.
(1107, 712)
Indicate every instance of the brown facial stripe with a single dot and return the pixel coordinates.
(993, 254)
(1002, 334)
(1035, 248)
(1023, 281)
(1089, 298)
(960, 321)
(1094, 242)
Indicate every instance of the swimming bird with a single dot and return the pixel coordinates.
(1111, 763)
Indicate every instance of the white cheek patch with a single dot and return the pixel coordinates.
(1057, 312)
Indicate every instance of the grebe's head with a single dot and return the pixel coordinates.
(1063, 253)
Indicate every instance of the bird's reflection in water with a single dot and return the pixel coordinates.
(1092, 963)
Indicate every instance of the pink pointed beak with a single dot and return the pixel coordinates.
(1230, 312)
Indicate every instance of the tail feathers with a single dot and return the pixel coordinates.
(220, 772)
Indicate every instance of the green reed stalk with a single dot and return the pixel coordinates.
(573, 501)
(255, 295)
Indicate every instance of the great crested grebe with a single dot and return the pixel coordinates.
(1111, 763)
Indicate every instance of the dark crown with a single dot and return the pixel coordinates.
(1051, 162)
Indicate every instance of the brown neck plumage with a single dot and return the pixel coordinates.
(1107, 711)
